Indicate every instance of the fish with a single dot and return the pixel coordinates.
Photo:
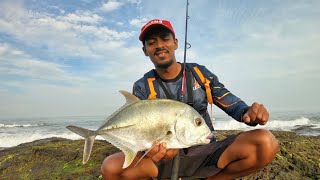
(138, 124)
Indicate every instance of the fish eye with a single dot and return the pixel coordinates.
(198, 121)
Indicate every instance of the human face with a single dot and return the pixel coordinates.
(160, 46)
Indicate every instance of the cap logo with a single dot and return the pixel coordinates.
(153, 22)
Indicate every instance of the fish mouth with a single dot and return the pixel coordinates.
(210, 136)
(208, 139)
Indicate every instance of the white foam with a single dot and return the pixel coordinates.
(18, 125)
(9, 140)
(272, 124)
(288, 125)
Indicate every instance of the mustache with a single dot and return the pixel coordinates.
(159, 50)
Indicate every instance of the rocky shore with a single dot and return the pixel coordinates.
(57, 158)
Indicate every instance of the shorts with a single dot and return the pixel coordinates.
(197, 161)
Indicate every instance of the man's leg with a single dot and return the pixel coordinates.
(249, 152)
(111, 168)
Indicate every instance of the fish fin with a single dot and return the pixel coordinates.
(129, 157)
(88, 144)
(168, 135)
(81, 131)
(89, 140)
(130, 153)
(130, 98)
(145, 154)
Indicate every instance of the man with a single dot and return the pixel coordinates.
(236, 156)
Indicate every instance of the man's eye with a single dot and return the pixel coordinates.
(150, 42)
(166, 38)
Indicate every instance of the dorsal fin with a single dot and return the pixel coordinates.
(130, 98)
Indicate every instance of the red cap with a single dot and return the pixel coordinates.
(155, 22)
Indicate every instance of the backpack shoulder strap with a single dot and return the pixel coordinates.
(150, 83)
(202, 80)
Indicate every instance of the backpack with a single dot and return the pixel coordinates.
(152, 87)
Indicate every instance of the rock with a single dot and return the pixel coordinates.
(57, 158)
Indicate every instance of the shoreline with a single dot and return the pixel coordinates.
(80, 138)
(59, 157)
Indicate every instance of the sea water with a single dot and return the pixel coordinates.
(14, 131)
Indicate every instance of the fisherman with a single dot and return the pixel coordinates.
(235, 156)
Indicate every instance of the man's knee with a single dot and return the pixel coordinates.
(112, 167)
(266, 139)
(112, 164)
(267, 144)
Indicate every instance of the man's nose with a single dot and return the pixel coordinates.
(160, 43)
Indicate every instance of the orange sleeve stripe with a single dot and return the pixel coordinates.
(227, 105)
(153, 94)
(206, 84)
(222, 96)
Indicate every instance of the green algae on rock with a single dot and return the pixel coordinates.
(57, 158)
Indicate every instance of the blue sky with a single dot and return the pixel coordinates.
(62, 58)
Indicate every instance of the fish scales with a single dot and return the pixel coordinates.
(140, 123)
(151, 124)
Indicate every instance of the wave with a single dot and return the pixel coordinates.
(13, 137)
(9, 140)
(286, 125)
(20, 125)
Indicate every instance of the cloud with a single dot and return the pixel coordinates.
(50, 88)
(60, 60)
(120, 23)
(16, 63)
(81, 17)
(111, 5)
(71, 35)
(138, 2)
(138, 22)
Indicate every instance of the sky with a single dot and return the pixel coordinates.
(70, 58)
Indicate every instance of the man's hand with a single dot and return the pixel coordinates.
(257, 113)
(160, 152)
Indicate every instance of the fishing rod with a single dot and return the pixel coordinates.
(186, 46)
(176, 160)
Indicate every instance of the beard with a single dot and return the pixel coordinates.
(165, 65)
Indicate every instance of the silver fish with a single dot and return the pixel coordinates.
(140, 123)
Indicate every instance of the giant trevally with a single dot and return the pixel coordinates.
(140, 123)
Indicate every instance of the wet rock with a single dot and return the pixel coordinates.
(57, 158)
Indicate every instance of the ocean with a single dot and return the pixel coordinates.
(14, 131)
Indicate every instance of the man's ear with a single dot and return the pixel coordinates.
(176, 44)
(145, 51)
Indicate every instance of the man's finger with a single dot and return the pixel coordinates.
(265, 118)
(253, 111)
(153, 151)
(161, 153)
(246, 118)
(170, 153)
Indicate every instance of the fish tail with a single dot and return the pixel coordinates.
(89, 140)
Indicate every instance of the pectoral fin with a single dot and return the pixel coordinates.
(168, 135)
